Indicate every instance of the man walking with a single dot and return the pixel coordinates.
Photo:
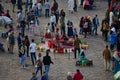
(76, 46)
(47, 61)
(11, 42)
(107, 58)
(33, 52)
(96, 24)
(13, 4)
(47, 8)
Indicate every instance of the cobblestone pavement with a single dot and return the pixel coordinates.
(10, 69)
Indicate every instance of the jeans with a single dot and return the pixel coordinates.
(39, 68)
(53, 26)
(33, 57)
(75, 50)
(75, 8)
(47, 67)
(91, 28)
(111, 46)
(95, 28)
(47, 12)
(22, 60)
(81, 31)
(27, 51)
(40, 12)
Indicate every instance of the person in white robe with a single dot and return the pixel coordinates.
(34, 2)
(79, 3)
(111, 15)
(70, 5)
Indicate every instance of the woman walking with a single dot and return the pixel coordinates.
(39, 63)
(22, 54)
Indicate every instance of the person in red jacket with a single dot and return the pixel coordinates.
(78, 75)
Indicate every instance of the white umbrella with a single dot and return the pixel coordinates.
(5, 20)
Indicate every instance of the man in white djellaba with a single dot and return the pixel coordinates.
(79, 3)
(34, 2)
(111, 16)
(70, 5)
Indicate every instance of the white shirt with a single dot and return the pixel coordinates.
(113, 29)
(33, 47)
(39, 5)
(40, 58)
(53, 19)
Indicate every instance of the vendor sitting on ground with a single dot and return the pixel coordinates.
(82, 55)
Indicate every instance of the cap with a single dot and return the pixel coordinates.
(31, 22)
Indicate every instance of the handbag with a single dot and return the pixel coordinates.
(20, 54)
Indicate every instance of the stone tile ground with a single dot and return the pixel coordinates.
(10, 69)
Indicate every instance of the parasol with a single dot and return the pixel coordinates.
(5, 20)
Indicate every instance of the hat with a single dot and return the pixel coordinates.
(31, 22)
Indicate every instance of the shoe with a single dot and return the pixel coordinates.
(24, 67)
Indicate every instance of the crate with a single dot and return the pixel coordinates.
(84, 63)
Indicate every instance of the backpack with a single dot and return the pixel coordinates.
(20, 54)
(38, 62)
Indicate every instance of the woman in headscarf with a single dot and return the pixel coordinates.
(116, 62)
(70, 5)
(70, 29)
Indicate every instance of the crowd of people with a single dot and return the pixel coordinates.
(57, 28)
(111, 32)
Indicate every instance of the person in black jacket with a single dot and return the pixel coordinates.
(47, 61)
(13, 4)
(55, 6)
(19, 4)
(118, 40)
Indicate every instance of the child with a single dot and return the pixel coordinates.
(74, 33)
(44, 76)
(48, 28)
(33, 77)
(39, 63)
(69, 77)
(37, 25)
